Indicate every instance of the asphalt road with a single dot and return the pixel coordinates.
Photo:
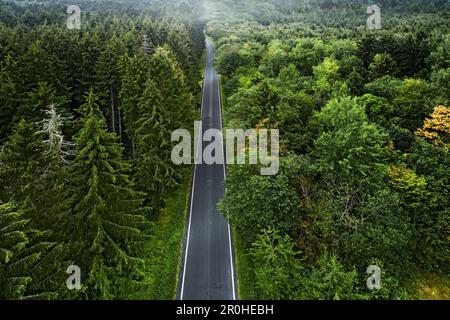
(207, 264)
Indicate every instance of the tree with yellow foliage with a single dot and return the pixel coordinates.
(437, 128)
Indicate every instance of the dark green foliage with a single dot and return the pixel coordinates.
(382, 65)
(432, 214)
(7, 103)
(169, 78)
(13, 240)
(165, 105)
(135, 74)
(107, 220)
(229, 60)
(25, 271)
(76, 201)
(107, 71)
(154, 169)
(255, 201)
(20, 161)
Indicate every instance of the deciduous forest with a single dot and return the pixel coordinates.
(364, 127)
(86, 118)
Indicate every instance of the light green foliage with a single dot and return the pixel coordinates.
(278, 272)
(408, 183)
(378, 109)
(354, 178)
(328, 81)
(330, 281)
(348, 144)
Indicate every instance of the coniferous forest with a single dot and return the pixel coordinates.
(85, 169)
(87, 114)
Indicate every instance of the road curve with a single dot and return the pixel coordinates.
(207, 265)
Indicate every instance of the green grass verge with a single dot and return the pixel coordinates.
(165, 248)
(244, 269)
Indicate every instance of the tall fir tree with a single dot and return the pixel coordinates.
(107, 75)
(27, 269)
(36, 102)
(165, 105)
(20, 160)
(30, 177)
(13, 240)
(135, 72)
(106, 225)
(40, 65)
(155, 172)
(8, 103)
(171, 81)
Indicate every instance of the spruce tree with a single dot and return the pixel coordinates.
(30, 177)
(135, 74)
(147, 45)
(165, 105)
(19, 161)
(7, 103)
(107, 76)
(40, 65)
(25, 272)
(180, 43)
(36, 102)
(47, 192)
(13, 240)
(155, 172)
(106, 225)
(171, 81)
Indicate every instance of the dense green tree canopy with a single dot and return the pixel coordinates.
(362, 175)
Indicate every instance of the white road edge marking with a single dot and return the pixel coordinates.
(225, 178)
(193, 184)
(192, 195)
